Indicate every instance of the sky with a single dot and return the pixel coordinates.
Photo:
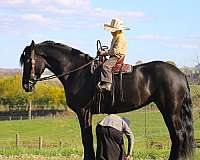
(160, 29)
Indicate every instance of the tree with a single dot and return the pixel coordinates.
(187, 70)
(12, 94)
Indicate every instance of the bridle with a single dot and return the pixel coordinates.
(34, 80)
(32, 64)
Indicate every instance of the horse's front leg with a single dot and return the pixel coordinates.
(85, 120)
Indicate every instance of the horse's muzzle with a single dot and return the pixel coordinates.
(28, 87)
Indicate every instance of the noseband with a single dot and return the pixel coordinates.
(33, 78)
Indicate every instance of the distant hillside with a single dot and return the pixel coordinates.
(9, 72)
(13, 71)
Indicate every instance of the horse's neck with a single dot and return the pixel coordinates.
(78, 85)
(57, 61)
(64, 63)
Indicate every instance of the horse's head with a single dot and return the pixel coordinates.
(33, 66)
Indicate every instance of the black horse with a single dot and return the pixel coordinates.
(157, 82)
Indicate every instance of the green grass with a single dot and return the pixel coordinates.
(52, 131)
(67, 129)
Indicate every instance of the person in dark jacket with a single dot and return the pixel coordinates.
(110, 142)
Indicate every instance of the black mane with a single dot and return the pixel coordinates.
(61, 46)
(73, 51)
(54, 44)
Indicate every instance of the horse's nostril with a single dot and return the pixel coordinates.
(25, 86)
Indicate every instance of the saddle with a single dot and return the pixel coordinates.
(120, 67)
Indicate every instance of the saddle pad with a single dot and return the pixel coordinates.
(125, 68)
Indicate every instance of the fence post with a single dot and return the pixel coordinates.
(61, 144)
(29, 109)
(17, 140)
(145, 123)
(40, 142)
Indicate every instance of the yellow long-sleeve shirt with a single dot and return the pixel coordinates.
(119, 46)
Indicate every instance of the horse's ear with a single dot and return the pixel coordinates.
(32, 44)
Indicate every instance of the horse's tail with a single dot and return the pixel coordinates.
(187, 148)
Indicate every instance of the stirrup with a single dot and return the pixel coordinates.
(104, 87)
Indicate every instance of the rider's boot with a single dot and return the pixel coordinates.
(104, 86)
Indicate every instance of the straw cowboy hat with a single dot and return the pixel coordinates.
(115, 25)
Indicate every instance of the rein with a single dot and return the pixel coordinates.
(34, 80)
(63, 74)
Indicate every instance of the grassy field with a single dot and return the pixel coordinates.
(151, 142)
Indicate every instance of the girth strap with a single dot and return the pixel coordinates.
(120, 87)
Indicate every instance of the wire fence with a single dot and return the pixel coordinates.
(20, 112)
(147, 125)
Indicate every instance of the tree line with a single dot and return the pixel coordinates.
(48, 94)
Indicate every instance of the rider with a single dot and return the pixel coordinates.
(118, 49)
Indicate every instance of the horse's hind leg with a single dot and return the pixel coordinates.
(179, 124)
(167, 107)
(172, 132)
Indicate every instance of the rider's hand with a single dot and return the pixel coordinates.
(101, 53)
